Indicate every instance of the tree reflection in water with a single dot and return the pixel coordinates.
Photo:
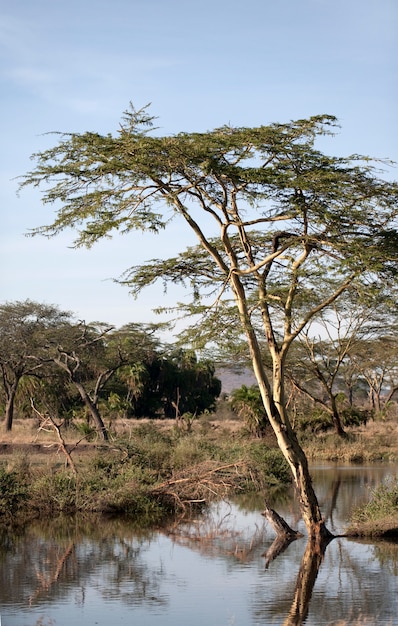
(309, 568)
(75, 563)
(48, 561)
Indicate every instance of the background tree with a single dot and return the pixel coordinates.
(288, 218)
(187, 384)
(91, 354)
(79, 351)
(171, 384)
(247, 403)
(321, 356)
(375, 362)
(24, 328)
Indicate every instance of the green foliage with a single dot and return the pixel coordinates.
(268, 466)
(248, 404)
(355, 416)
(54, 493)
(132, 476)
(13, 493)
(383, 502)
(85, 429)
(295, 229)
(25, 330)
(314, 421)
(317, 420)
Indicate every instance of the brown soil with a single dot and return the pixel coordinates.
(383, 528)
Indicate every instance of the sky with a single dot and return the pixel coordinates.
(75, 65)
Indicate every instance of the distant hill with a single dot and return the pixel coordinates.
(233, 379)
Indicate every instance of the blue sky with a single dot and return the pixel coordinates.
(75, 65)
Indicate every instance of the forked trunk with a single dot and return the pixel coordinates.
(291, 450)
(275, 407)
(99, 424)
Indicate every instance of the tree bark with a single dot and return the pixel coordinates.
(95, 414)
(11, 391)
(288, 442)
(279, 525)
(336, 419)
(275, 407)
(298, 463)
(9, 413)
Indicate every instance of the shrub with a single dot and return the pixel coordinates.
(247, 403)
(13, 492)
(267, 466)
(54, 493)
(355, 416)
(316, 421)
(383, 503)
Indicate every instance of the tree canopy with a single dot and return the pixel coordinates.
(24, 328)
(279, 224)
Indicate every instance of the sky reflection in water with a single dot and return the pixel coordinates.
(210, 573)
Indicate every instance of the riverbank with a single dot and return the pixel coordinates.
(150, 473)
(377, 441)
(151, 470)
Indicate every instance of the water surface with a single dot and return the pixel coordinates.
(211, 572)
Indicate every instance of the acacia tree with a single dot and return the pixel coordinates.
(24, 327)
(375, 362)
(322, 354)
(273, 216)
(91, 354)
(79, 351)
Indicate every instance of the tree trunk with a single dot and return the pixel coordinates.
(289, 445)
(298, 463)
(336, 418)
(11, 391)
(390, 395)
(279, 525)
(9, 413)
(275, 407)
(95, 414)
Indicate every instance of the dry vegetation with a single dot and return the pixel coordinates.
(377, 441)
(153, 464)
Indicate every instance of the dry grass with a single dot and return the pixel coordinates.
(377, 441)
(359, 621)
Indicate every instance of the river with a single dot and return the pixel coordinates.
(211, 572)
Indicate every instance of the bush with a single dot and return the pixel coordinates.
(355, 416)
(383, 503)
(268, 467)
(247, 403)
(149, 475)
(54, 493)
(317, 421)
(13, 492)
